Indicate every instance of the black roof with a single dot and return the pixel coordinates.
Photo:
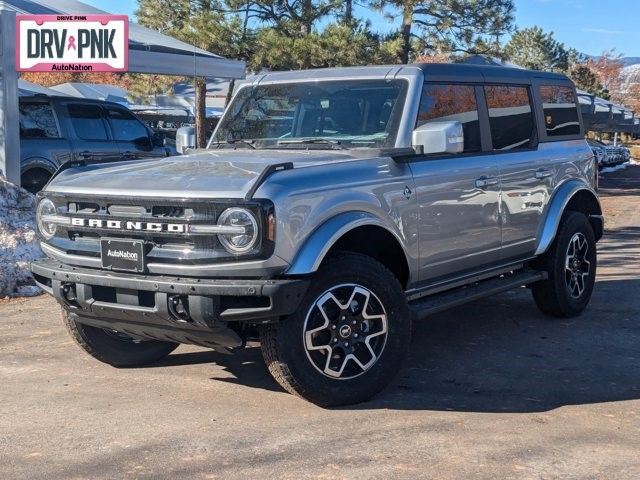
(41, 97)
(484, 73)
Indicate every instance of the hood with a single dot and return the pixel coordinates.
(204, 174)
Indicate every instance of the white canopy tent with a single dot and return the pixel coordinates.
(149, 52)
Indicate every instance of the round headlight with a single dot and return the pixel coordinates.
(242, 227)
(46, 208)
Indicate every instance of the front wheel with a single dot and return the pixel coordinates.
(115, 348)
(349, 337)
(571, 264)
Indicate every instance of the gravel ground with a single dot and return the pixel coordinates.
(491, 390)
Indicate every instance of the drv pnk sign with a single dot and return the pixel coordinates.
(72, 43)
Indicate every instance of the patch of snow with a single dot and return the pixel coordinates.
(622, 166)
(18, 241)
(634, 162)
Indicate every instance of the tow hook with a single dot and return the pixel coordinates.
(179, 308)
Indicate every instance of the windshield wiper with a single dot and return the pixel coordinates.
(334, 143)
(233, 141)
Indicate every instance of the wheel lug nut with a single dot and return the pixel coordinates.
(333, 327)
(343, 318)
(346, 344)
(355, 335)
(353, 323)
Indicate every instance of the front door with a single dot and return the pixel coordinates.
(92, 140)
(134, 139)
(458, 195)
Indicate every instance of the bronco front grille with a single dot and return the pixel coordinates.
(173, 245)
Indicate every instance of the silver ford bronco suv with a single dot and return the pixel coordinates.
(331, 209)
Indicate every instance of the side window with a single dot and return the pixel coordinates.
(441, 103)
(37, 121)
(125, 126)
(87, 121)
(560, 111)
(510, 117)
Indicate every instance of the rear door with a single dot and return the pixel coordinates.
(43, 147)
(458, 195)
(133, 137)
(92, 140)
(526, 175)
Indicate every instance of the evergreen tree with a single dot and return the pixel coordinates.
(202, 23)
(535, 49)
(450, 26)
(585, 79)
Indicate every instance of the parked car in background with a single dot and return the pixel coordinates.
(613, 154)
(599, 151)
(626, 152)
(55, 130)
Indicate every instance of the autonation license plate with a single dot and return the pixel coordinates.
(127, 255)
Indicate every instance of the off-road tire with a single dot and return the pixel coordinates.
(553, 296)
(109, 348)
(283, 344)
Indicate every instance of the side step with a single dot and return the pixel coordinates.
(442, 301)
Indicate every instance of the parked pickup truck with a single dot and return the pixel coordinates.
(331, 209)
(55, 130)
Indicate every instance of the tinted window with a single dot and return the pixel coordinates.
(560, 111)
(87, 122)
(510, 117)
(125, 126)
(37, 121)
(442, 103)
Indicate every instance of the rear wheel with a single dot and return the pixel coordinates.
(348, 338)
(571, 264)
(115, 348)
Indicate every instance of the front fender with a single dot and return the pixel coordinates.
(315, 248)
(556, 208)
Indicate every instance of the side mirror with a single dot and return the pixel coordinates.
(158, 139)
(439, 137)
(185, 139)
(144, 143)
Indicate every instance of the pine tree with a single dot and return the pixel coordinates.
(203, 23)
(585, 79)
(450, 26)
(535, 49)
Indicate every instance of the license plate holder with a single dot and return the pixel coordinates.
(123, 255)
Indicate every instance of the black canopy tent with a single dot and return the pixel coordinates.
(149, 52)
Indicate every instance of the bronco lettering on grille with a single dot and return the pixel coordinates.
(128, 225)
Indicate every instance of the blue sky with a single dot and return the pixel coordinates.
(591, 26)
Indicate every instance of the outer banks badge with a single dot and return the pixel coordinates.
(72, 43)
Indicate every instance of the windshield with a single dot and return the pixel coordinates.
(348, 113)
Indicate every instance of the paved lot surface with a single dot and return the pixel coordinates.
(491, 390)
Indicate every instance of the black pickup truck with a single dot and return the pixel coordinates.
(55, 130)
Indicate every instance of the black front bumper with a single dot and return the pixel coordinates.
(145, 305)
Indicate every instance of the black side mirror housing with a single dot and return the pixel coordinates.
(157, 139)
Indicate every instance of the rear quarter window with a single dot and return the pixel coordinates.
(560, 110)
(37, 121)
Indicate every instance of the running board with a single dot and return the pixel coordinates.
(442, 301)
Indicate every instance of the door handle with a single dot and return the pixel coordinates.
(483, 182)
(544, 173)
(127, 154)
(85, 154)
